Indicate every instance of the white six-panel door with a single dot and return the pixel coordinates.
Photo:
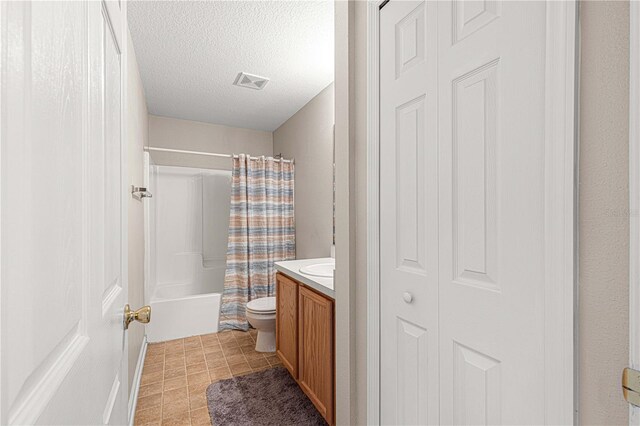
(492, 124)
(409, 213)
(63, 281)
(464, 178)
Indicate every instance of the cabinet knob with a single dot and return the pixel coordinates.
(407, 297)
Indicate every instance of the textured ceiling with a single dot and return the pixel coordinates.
(190, 52)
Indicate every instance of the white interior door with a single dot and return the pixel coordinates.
(63, 220)
(409, 213)
(466, 215)
(492, 189)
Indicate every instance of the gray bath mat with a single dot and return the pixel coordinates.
(269, 397)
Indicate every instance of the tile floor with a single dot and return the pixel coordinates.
(176, 375)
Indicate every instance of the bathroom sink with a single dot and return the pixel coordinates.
(324, 270)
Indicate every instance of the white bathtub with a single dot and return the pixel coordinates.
(175, 315)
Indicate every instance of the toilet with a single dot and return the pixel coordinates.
(261, 314)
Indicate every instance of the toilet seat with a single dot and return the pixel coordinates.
(262, 306)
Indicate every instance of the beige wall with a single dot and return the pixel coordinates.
(308, 137)
(189, 135)
(137, 132)
(603, 205)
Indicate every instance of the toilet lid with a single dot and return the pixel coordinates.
(263, 304)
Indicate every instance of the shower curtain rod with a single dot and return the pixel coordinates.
(210, 154)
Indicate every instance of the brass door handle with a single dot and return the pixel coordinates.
(142, 315)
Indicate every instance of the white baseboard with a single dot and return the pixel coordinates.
(135, 386)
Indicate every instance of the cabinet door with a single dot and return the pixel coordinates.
(315, 331)
(287, 323)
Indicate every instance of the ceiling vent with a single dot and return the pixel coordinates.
(251, 81)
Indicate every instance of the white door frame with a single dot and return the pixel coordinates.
(634, 196)
(560, 211)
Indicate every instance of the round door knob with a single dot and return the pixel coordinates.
(142, 315)
(407, 297)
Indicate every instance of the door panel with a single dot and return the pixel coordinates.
(474, 177)
(476, 380)
(105, 150)
(412, 374)
(408, 214)
(410, 190)
(287, 323)
(462, 212)
(491, 221)
(471, 16)
(315, 351)
(110, 127)
(43, 202)
(61, 222)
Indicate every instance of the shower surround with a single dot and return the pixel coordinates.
(188, 223)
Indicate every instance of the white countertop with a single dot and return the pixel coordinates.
(291, 268)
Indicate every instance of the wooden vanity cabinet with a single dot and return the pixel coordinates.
(287, 323)
(307, 349)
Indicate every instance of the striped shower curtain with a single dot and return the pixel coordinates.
(261, 232)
